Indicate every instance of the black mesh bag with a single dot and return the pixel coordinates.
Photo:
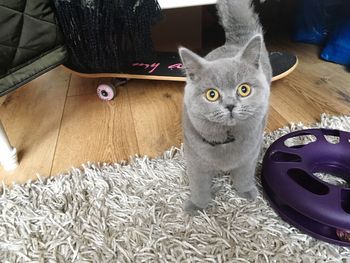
(105, 35)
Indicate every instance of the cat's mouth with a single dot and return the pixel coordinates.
(223, 118)
(229, 120)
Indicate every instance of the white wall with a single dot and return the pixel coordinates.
(167, 4)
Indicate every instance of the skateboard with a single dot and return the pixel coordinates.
(167, 66)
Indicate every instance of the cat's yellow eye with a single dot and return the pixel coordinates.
(212, 95)
(244, 90)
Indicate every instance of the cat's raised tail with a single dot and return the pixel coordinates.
(239, 20)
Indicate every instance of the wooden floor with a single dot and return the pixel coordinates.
(57, 121)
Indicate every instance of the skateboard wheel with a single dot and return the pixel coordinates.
(106, 92)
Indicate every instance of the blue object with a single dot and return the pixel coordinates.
(337, 48)
(315, 19)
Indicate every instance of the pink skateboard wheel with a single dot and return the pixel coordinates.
(106, 92)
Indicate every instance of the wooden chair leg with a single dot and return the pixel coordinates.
(8, 154)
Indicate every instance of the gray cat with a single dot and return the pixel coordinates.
(225, 105)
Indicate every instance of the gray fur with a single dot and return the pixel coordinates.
(215, 139)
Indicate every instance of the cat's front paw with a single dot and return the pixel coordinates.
(250, 195)
(190, 208)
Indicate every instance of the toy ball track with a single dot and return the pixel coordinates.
(316, 207)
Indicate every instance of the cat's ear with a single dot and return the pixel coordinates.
(252, 51)
(192, 63)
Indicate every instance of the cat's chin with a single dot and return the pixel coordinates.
(231, 122)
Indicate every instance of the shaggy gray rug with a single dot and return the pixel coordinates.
(132, 213)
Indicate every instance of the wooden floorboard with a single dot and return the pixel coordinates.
(315, 87)
(31, 116)
(54, 128)
(82, 86)
(93, 130)
(156, 109)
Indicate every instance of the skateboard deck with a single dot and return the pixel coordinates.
(167, 66)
